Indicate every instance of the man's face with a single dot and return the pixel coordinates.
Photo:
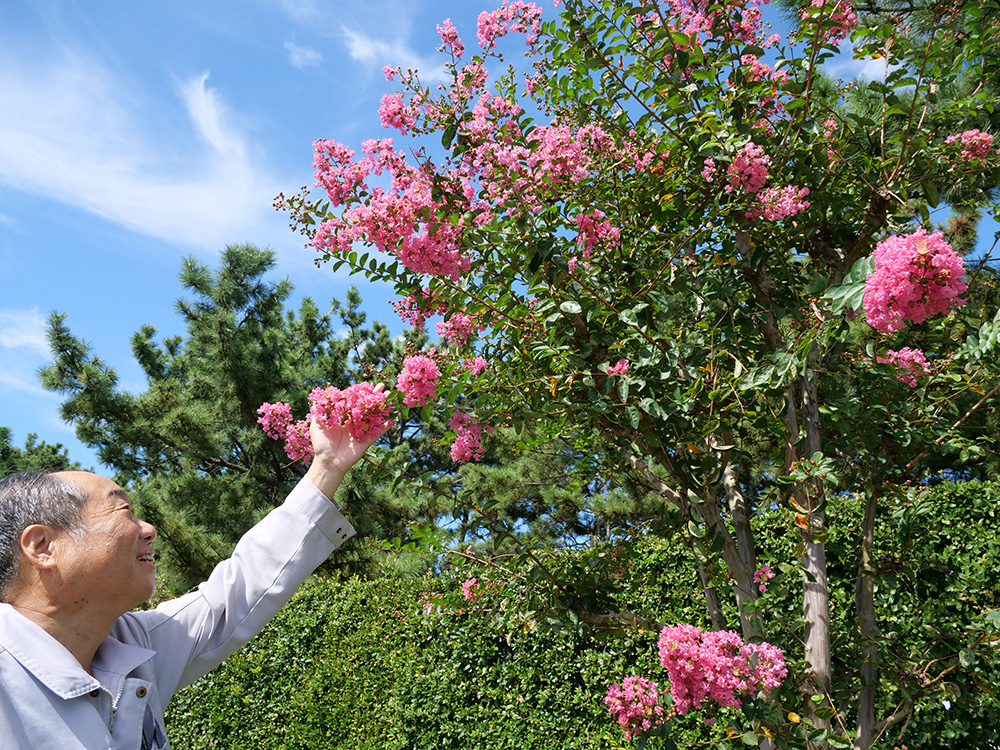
(110, 560)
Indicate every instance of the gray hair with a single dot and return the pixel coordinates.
(31, 497)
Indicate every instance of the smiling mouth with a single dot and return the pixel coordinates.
(149, 557)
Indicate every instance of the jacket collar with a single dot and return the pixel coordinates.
(54, 666)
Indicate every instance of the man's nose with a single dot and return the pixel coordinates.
(148, 531)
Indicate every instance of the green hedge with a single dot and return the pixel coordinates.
(409, 664)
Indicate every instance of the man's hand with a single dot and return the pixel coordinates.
(335, 452)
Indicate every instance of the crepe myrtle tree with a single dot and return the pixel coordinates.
(671, 229)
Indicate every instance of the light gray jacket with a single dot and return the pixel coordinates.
(49, 702)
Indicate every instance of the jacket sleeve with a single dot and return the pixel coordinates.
(196, 632)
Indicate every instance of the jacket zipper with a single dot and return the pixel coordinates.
(114, 705)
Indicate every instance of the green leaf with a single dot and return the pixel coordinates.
(570, 307)
(931, 191)
(851, 292)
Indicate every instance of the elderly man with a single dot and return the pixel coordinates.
(78, 669)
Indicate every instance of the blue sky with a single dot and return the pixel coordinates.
(135, 134)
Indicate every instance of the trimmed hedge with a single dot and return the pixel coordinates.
(408, 664)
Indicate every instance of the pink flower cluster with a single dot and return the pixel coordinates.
(908, 363)
(761, 576)
(972, 145)
(393, 220)
(701, 17)
(620, 368)
(471, 590)
(758, 70)
(834, 20)
(512, 16)
(417, 307)
(361, 408)
(276, 420)
(748, 170)
(458, 328)
(395, 113)
(468, 445)
(777, 203)
(635, 705)
(716, 665)
(418, 380)
(476, 366)
(595, 231)
(449, 38)
(916, 275)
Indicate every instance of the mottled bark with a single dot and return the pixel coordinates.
(865, 606)
(816, 589)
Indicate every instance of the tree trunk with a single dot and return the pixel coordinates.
(815, 587)
(865, 606)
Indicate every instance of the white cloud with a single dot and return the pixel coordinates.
(844, 66)
(302, 57)
(24, 349)
(209, 117)
(23, 329)
(377, 53)
(74, 131)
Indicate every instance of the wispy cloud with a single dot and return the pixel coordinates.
(23, 349)
(377, 53)
(302, 57)
(23, 329)
(844, 66)
(74, 131)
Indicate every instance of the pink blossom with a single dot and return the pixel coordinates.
(458, 328)
(595, 231)
(972, 145)
(418, 380)
(394, 113)
(620, 368)
(360, 408)
(833, 20)
(449, 38)
(416, 308)
(475, 365)
(908, 363)
(916, 276)
(468, 445)
(761, 576)
(717, 666)
(635, 705)
(276, 420)
(709, 170)
(298, 444)
(511, 16)
(559, 155)
(696, 18)
(757, 70)
(777, 203)
(335, 170)
(749, 169)
(471, 590)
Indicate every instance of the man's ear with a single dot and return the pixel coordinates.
(38, 543)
